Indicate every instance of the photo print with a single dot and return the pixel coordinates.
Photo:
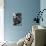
(17, 19)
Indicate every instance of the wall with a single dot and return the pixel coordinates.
(28, 9)
(43, 6)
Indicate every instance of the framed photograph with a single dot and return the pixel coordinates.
(17, 19)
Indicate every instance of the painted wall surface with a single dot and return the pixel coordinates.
(28, 9)
(43, 6)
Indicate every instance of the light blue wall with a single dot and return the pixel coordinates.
(28, 9)
(43, 6)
